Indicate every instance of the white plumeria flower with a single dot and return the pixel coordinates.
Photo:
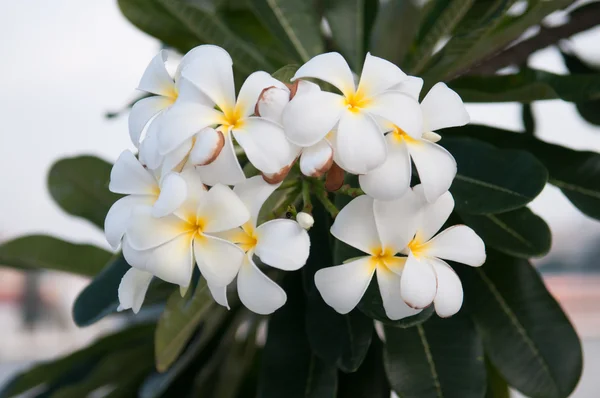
(167, 247)
(186, 127)
(360, 144)
(441, 108)
(165, 90)
(142, 188)
(280, 243)
(132, 289)
(426, 278)
(380, 232)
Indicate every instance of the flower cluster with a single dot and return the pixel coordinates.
(191, 130)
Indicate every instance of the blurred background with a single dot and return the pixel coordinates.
(66, 64)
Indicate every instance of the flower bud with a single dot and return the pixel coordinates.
(431, 136)
(271, 102)
(305, 220)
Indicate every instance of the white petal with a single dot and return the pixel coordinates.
(207, 146)
(173, 261)
(129, 177)
(442, 108)
(355, 225)
(188, 92)
(218, 260)
(265, 144)
(418, 284)
(196, 193)
(449, 297)
(118, 217)
(397, 220)
(343, 286)
(173, 192)
(221, 210)
(225, 169)
(272, 102)
(132, 289)
(411, 86)
(316, 159)
(399, 109)
(435, 165)
(306, 87)
(391, 180)
(282, 244)
(308, 118)
(182, 121)
(172, 161)
(257, 292)
(146, 231)
(360, 143)
(389, 288)
(433, 215)
(458, 243)
(252, 89)
(378, 75)
(254, 192)
(135, 258)
(148, 150)
(219, 294)
(156, 79)
(142, 112)
(212, 72)
(329, 67)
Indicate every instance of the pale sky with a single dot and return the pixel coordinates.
(66, 62)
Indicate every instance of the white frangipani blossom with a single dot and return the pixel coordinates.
(441, 108)
(381, 233)
(132, 289)
(426, 278)
(360, 144)
(129, 177)
(279, 243)
(167, 247)
(187, 127)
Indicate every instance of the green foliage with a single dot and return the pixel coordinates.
(45, 252)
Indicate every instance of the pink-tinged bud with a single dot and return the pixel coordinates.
(271, 102)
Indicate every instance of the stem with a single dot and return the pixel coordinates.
(328, 204)
(346, 189)
(306, 197)
(283, 206)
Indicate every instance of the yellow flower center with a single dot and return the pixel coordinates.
(398, 134)
(246, 238)
(417, 247)
(356, 101)
(232, 118)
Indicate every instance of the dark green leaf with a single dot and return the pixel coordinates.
(80, 187)
(528, 119)
(178, 323)
(526, 335)
(286, 73)
(100, 297)
(492, 180)
(396, 26)
(576, 173)
(440, 358)
(289, 367)
(202, 22)
(46, 252)
(46, 373)
(528, 85)
(496, 385)
(339, 340)
(369, 381)
(294, 23)
(520, 232)
(587, 109)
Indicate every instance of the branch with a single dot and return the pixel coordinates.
(581, 19)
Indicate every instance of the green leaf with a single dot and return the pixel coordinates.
(526, 335)
(202, 22)
(46, 252)
(496, 385)
(369, 381)
(440, 358)
(587, 109)
(576, 173)
(44, 375)
(520, 232)
(285, 73)
(289, 368)
(178, 323)
(339, 340)
(100, 297)
(347, 22)
(295, 23)
(395, 28)
(528, 85)
(492, 180)
(80, 187)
